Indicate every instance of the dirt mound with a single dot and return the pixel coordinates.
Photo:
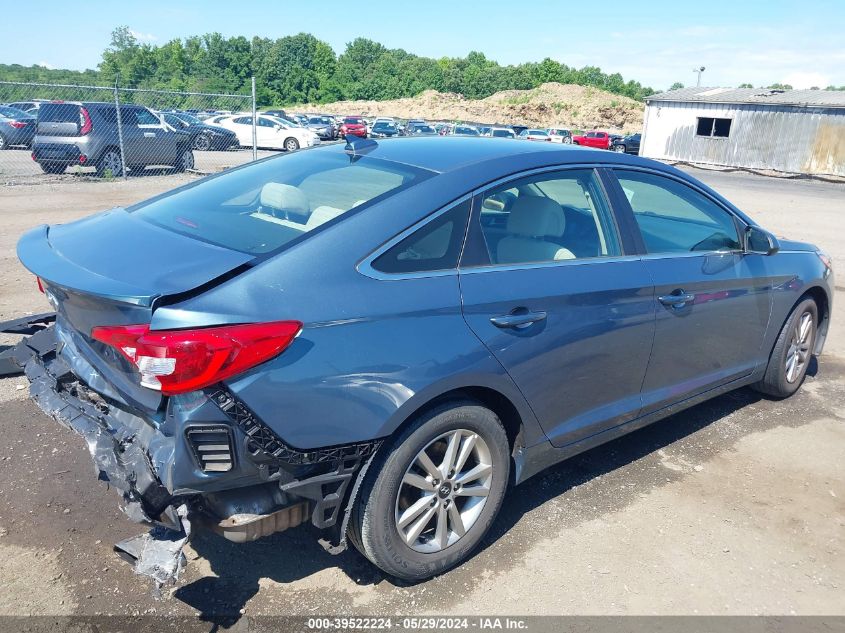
(548, 105)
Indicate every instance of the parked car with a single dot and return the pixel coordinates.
(381, 345)
(384, 129)
(629, 144)
(16, 127)
(533, 135)
(413, 123)
(600, 140)
(502, 132)
(559, 135)
(465, 130)
(203, 136)
(28, 106)
(354, 126)
(86, 133)
(381, 119)
(421, 130)
(322, 127)
(270, 132)
(276, 113)
(484, 130)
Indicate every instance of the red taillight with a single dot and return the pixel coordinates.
(179, 361)
(85, 124)
(82, 159)
(40, 285)
(32, 156)
(17, 124)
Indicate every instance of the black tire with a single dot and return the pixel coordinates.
(776, 381)
(291, 144)
(110, 162)
(373, 526)
(202, 143)
(53, 168)
(186, 160)
(621, 149)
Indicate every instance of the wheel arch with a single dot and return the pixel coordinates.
(822, 299)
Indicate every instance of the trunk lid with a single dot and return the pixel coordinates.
(111, 269)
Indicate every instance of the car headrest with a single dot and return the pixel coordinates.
(280, 197)
(536, 216)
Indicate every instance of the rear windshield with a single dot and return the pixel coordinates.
(261, 208)
(59, 113)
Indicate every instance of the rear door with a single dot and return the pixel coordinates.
(712, 300)
(549, 286)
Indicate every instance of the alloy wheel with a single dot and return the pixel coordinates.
(798, 353)
(202, 142)
(187, 160)
(444, 491)
(291, 145)
(619, 148)
(111, 162)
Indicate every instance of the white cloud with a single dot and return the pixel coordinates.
(143, 37)
(45, 65)
(807, 80)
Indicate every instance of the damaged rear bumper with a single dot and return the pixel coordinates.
(267, 486)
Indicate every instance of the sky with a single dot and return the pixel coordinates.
(656, 42)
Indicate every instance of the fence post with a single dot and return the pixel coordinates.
(119, 128)
(254, 123)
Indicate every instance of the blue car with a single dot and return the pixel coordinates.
(380, 338)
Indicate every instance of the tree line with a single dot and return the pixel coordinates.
(302, 68)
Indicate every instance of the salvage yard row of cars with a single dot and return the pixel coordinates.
(65, 133)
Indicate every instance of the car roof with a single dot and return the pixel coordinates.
(445, 153)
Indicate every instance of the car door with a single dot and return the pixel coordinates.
(242, 127)
(712, 299)
(548, 286)
(134, 144)
(160, 143)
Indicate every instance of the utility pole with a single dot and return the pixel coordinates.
(699, 71)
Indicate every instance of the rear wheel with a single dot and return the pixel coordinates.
(567, 140)
(792, 352)
(110, 164)
(431, 495)
(186, 160)
(291, 144)
(53, 168)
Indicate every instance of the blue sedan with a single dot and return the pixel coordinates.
(381, 338)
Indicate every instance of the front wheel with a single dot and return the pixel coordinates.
(202, 142)
(432, 494)
(291, 144)
(792, 352)
(567, 140)
(619, 149)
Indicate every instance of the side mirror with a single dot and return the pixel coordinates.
(760, 241)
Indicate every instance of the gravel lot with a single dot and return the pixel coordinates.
(733, 507)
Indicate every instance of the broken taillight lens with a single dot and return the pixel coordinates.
(179, 361)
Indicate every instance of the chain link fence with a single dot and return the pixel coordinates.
(117, 132)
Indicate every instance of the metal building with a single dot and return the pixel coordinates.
(797, 131)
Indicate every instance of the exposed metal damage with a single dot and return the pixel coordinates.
(293, 486)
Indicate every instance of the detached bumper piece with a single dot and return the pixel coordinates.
(13, 359)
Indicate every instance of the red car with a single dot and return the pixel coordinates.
(593, 139)
(354, 125)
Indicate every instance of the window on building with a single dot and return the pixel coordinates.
(710, 126)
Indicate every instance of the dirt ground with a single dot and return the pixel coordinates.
(549, 105)
(733, 507)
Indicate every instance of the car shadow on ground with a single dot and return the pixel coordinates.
(294, 555)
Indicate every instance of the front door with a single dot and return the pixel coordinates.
(712, 300)
(547, 288)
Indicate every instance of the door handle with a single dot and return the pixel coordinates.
(517, 319)
(677, 299)
(150, 134)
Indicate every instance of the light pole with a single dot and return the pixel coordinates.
(699, 71)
